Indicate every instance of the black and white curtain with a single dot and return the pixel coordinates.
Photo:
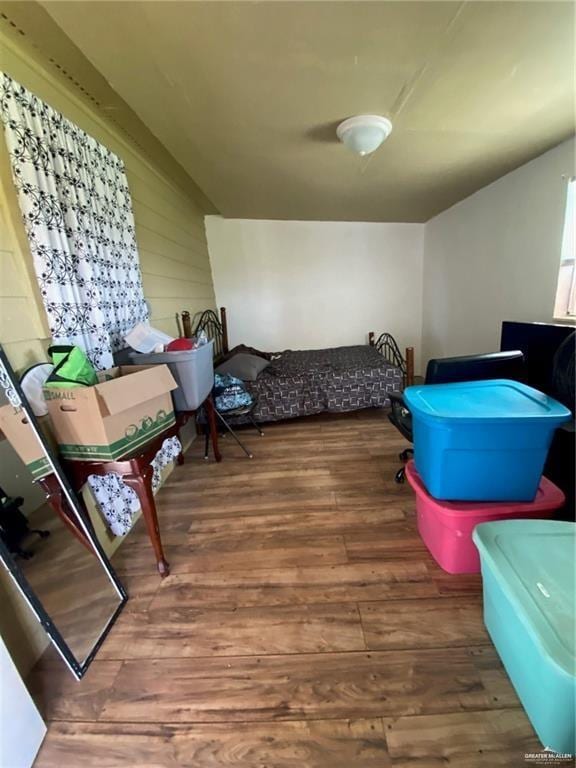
(77, 211)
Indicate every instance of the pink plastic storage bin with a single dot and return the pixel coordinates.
(446, 526)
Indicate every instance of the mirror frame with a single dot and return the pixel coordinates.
(10, 384)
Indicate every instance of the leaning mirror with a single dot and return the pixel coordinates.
(47, 542)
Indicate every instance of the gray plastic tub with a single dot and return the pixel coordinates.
(193, 371)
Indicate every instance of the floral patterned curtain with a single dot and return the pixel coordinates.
(77, 211)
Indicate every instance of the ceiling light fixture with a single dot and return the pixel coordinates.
(364, 133)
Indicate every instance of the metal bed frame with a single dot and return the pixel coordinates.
(216, 328)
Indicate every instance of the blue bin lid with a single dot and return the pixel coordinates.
(494, 400)
(533, 561)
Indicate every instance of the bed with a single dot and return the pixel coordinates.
(306, 382)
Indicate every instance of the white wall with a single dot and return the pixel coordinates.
(21, 727)
(444, 287)
(495, 256)
(305, 285)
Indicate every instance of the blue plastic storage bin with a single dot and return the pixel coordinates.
(482, 440)
(528, 576)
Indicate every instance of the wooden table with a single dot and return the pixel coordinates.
(208, 404)
(57, 500)
(136, 471)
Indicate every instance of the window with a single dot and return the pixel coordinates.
(566, 291)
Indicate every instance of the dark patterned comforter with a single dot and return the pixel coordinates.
(301, 383)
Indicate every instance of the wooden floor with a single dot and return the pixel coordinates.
(304, 625)
(60, 573)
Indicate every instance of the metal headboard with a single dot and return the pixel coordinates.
(215, 328)
(386, 345)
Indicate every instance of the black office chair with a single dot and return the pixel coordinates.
(447, 370)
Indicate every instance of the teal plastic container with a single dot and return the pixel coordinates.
(482, 440)
(528, 576)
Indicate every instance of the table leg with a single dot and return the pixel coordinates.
(59, 504)
(213, 427)
(143, 488)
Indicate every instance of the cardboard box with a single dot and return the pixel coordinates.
(19, 433)
(130, 406)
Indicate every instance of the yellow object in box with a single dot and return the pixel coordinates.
(128, 407)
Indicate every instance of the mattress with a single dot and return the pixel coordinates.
(305, 382)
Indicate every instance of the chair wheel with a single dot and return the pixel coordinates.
(404, 455)
(400, 476)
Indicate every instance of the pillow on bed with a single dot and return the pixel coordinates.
(243, 366)
(247, 351)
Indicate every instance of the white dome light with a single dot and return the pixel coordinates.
(364, 134)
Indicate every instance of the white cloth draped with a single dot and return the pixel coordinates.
(117, 502)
